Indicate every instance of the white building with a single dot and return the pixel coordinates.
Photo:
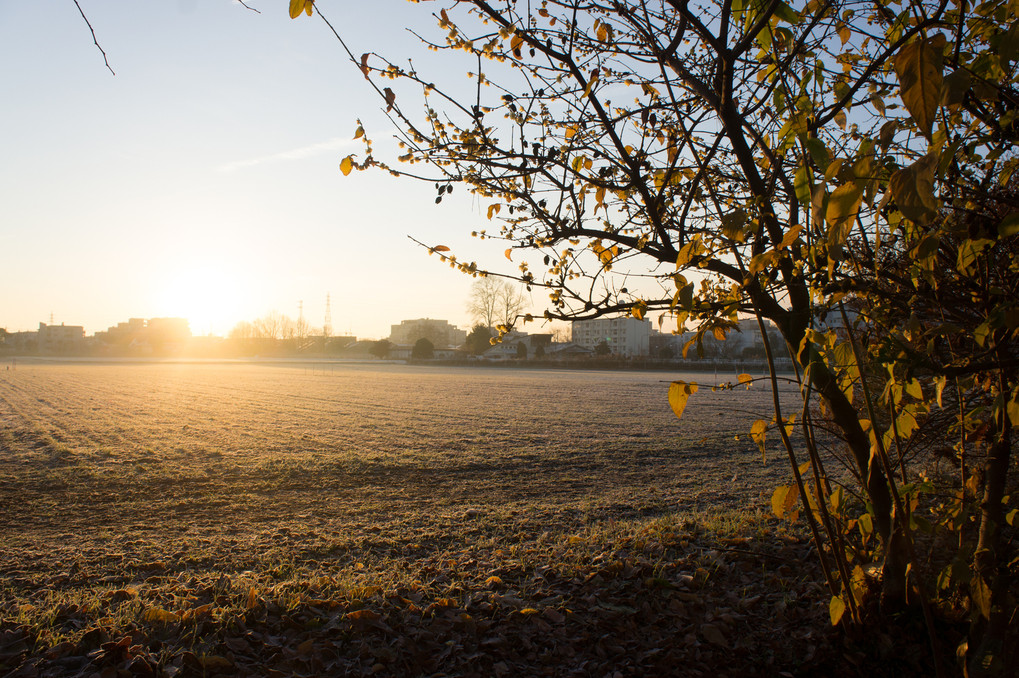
(61, 339)
(439, 332)
(627, 337)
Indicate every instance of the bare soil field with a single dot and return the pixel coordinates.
(316, 519)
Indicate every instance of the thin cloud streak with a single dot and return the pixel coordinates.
(334, 144)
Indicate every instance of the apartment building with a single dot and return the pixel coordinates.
(439, 332)
(626, 337)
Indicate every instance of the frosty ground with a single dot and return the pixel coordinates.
(193, 518)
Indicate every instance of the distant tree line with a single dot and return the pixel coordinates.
(274, 326)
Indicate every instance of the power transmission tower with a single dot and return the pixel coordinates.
(327, 326)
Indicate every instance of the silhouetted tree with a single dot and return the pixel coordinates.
(381, 348)
(479, 340)
(423, 349)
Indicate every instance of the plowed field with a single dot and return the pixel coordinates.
(214, 443)
(128, 488)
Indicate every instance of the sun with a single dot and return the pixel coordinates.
(207, 295)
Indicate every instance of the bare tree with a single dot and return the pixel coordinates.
(483, 301)
(561, 334)
(512, 303)
(274, 325)
(495, 301)
(243, 330)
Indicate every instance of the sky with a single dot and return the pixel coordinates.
(202, 179)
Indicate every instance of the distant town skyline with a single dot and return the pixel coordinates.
(311, 328)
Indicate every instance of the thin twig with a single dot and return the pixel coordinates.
(246, 6)
(94, 39)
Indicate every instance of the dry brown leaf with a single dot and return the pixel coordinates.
(713, 635)
(364, 616)
(554, 615)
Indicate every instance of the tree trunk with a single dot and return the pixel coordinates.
(847, 418)
(793, 325)
(991, 580)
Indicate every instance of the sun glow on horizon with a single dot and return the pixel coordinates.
(210, 297)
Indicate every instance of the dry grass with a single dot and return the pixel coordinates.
(250, 513)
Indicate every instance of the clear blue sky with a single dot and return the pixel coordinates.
(202, 180)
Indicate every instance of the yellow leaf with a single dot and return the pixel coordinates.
(1012, 408)
(790, 236)
(688, 251)
(493, 209)
(745, 379)
(844, 33)
(783, 499)
(1009, 226)
(359, 133)
(843, 206)
(440, 248)
(759, 432)
(607, 254)
(912, 189)
(762, 262)
(528, 611)
(509, 253)
(516, 43)
(679, 393)
(298, 6)
(836, 608)
(158, 614)
(650, 90)
(919, 65)
(969, 254)
(390, 98)
(346, 165)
